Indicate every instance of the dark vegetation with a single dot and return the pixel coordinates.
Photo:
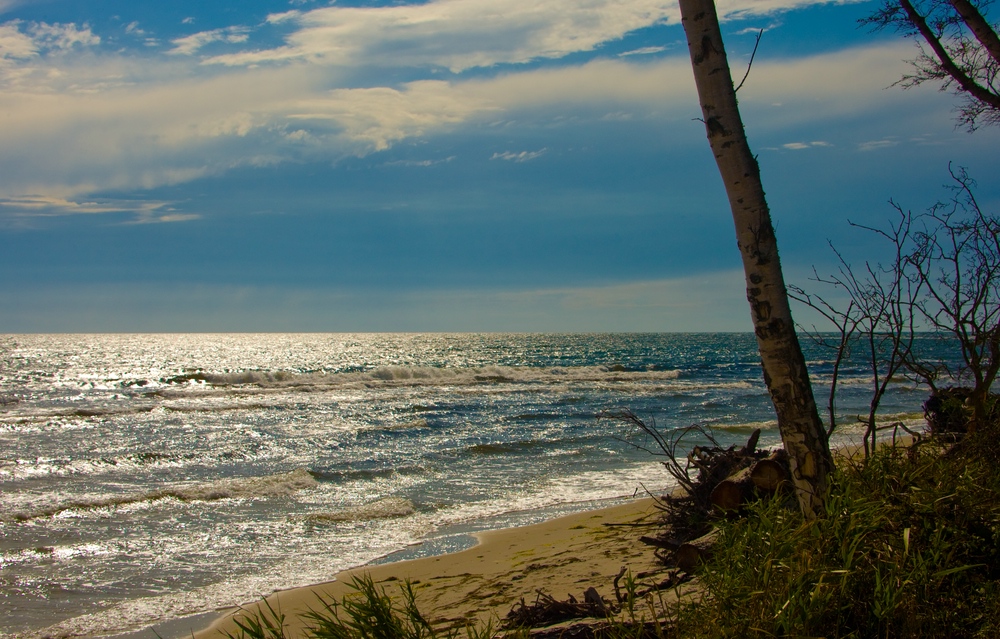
(959, 51)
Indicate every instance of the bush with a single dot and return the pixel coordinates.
(909, 547)
(948, 410)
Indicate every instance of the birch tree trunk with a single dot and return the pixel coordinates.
(784, 366)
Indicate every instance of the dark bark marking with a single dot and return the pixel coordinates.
(715, 127)
(707, 50)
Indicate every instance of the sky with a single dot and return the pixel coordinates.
(447, 165)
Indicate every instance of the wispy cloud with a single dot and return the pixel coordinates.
(23, 40)
(455, 34)
(14, 44)
(163, 218)
(137, 124)
(464, 34)
(21, 209)
(189, 45)
(799, 146)
(873, 145)
(643, 51)
(522, 156)
(421, 163)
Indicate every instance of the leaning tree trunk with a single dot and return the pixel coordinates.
(781, 357)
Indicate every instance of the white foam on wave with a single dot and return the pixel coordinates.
(386, 508)
(319, 561)
(426, 375)
(280, 485)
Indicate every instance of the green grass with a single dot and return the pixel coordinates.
(909, 547)
(368, 612)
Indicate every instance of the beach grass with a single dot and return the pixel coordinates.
(370, 611)
(909, 547)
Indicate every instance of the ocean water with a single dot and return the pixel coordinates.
(149, 477)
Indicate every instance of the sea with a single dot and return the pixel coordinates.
(149, 478)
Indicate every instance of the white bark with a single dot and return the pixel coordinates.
(784, 366)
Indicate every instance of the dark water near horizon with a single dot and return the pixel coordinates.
(146, 477)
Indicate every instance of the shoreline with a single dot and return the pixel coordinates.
(560, 556)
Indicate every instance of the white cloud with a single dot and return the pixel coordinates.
(62, 36)
(287, 16)
(798, 146)
(463, 34)
(164, 218)
(15, 45)
(873, 145)
(456, 34)
(522, 156)
(17, 210)
(421, 163)
(84, 124)
(643, 51)
(189, 45)
(21, 40)
(159, 130)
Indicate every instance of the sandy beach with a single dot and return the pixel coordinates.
(560, 557)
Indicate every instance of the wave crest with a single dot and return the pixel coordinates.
(386, 508)
(242, 488)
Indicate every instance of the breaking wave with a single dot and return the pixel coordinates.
(418, 375)
(242, 488)
(386, 508)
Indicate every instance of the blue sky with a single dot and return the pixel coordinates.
(449, 165)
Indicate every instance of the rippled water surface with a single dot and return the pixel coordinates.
(144, 477)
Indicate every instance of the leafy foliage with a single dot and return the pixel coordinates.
(909, 547)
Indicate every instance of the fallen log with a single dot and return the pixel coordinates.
(730, 494)
(692, 553)
(548, 610)
(770, 473)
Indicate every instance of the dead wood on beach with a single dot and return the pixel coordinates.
(547, 610)
(712, 480)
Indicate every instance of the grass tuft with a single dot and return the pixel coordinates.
(909, 547)
(368, 612)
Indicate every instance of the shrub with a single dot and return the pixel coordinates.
(909, 547)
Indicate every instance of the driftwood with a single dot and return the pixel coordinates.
(692, 553)
(766, 476)
(770, 473)
(548, 610)
(731, 493)
(602, 630)
(710, 478)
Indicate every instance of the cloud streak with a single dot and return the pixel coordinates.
(20, 210)
(75, 124)
(189, 45)
(154, 126)
(463, 34)
(523, 156)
